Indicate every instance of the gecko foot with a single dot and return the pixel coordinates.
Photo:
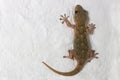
(91, 55)
(64, 18)
(71, 54)
(90, 29)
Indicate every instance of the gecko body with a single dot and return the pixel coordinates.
(81, 51)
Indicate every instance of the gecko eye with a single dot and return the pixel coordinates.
(76, 12)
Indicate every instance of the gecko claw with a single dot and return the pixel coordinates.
(92, 55)
(64, 56)
(90, 28)
(65, 15)
(61, 15)
(63, 18)
(96, 57)
(63, 22)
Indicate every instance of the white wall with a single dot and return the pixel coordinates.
(30, 32)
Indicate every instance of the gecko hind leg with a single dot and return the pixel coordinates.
(91, 55)
(71, 54)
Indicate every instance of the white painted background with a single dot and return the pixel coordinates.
(30, 32)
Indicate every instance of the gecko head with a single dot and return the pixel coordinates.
(78, 8)
(79, 15)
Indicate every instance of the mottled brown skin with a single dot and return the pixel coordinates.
(81, 50)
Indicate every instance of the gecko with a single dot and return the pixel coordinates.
(81, 51)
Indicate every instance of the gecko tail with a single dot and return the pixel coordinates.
(71, 73)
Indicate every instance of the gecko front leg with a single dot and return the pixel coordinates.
(64, 18)
(90, 28)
